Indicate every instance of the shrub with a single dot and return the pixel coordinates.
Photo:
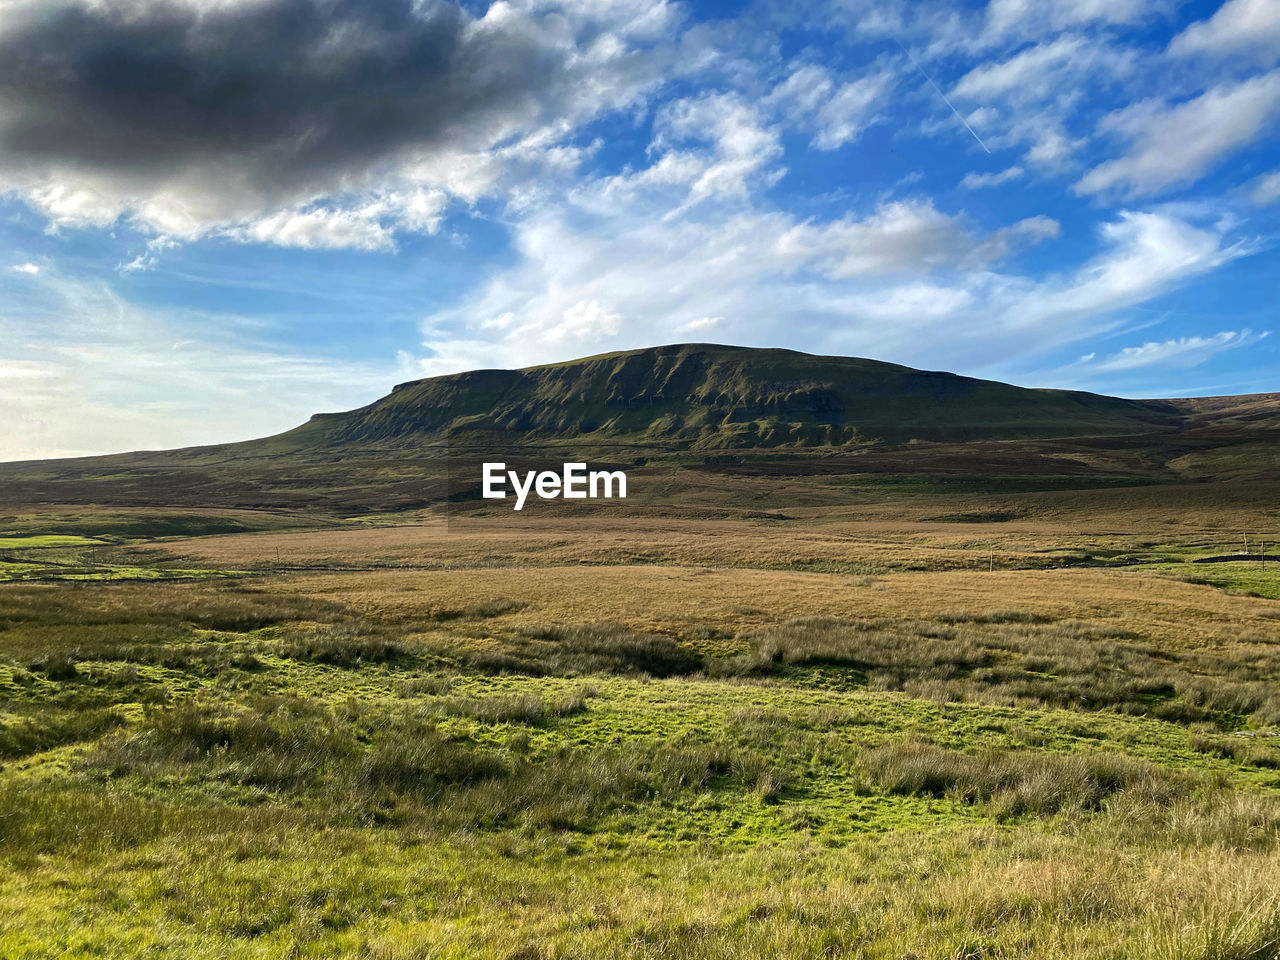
(56, 666)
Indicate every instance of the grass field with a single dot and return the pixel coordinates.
(934, 727)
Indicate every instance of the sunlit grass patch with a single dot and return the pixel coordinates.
(22, 570)
(47, 540)
(1251, 578)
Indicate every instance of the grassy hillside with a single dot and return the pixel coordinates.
(708, 397)
(708, 423)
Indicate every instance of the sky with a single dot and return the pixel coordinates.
(218, 217)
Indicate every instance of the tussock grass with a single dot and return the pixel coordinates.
(22, 737)
(529, 708)
(1009, 659)
(670, 766)
(484, 610)
(1014, 784)
(578, 649)
(339, 645)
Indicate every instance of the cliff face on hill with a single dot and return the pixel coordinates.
(698, 396)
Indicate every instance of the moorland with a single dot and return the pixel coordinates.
(817, 688)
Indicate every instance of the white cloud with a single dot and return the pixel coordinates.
(69, 203)
(320, 229)
(942, 30)
(1181, 352)
(849, 110)
(31, 269)
(702, 323)
(1029, 18)
(584, 322)
(150, 256)
(804, 90)
(978, 181)
(1180, 143)
(1149, 253)
(1267, 188)
(898, 237)
(904, 280)
(1050, 146)
(1028, 75)
(837, 113)
(1036, 95)
(742, 145)
(1240, 28)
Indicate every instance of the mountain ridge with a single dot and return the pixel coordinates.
(701, 423)
(712, 396)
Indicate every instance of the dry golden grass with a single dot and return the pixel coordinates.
(880, 530)
(669, 599)
(604, 540)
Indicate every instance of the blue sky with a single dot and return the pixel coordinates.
(218, 219)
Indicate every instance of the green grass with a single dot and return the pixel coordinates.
(67, 557)
(1244, 578)
(210, 769)
(18, 570)
(46, 540)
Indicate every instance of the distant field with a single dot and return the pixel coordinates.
(72, 557)
(46, 540)
(895, 731)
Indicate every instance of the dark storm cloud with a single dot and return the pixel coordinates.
(286, 97)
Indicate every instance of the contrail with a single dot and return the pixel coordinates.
(942, 95)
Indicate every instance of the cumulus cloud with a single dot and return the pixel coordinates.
(1241, 28)
(321, 228)
(584, 322)
(741, 140)
(849, 110)
(701, 324)
(898, 237)
(31, 269)
(1035, 96)
(1171, 144)
(189, 117)
(1180, 352)
(903, 279)
(837, 111)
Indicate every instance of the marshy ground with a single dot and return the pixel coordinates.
(1027, 728)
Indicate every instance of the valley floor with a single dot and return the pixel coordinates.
(875, 735)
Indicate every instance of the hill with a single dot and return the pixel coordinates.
(721, 416)
(708, 397)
